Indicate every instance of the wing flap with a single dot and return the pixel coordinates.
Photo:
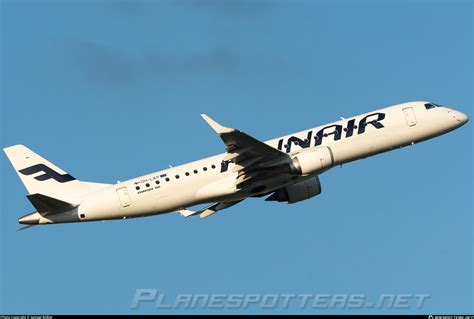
(209, 210)
(214, 208)
(187, 212)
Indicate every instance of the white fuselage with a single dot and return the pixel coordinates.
(212, 180)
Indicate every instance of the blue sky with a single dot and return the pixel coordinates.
(109, 90)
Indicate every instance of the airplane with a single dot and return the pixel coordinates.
(285, 169)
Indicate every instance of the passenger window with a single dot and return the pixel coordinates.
(204, 168)
(137, 188)
(195, 171)
(213, 166)
(157, 182)
(177, 176)
(187, 173)
(147, 185)
(167, 179)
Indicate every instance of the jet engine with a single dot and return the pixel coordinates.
(297, 192)
(313, 161)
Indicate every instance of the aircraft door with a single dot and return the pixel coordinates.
(409, 116)
(123, 196)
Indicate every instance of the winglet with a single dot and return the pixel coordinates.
(216, 126)
(207, 213)
(187, 212)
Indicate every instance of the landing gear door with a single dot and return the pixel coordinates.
(409, 116)
(123, 196)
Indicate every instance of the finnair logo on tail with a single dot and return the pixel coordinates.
(48, 173)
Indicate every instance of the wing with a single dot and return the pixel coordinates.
(248, 153)
(209, 210)
(241, 144)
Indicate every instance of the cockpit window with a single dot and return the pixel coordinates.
(431, 106)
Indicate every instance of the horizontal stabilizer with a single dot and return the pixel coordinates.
(46, 205)
(25, 227)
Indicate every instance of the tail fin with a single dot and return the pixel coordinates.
(40, 176)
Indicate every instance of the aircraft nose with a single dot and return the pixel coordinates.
(461, 117)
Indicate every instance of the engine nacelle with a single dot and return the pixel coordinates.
(313, 160)
(297, 192)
